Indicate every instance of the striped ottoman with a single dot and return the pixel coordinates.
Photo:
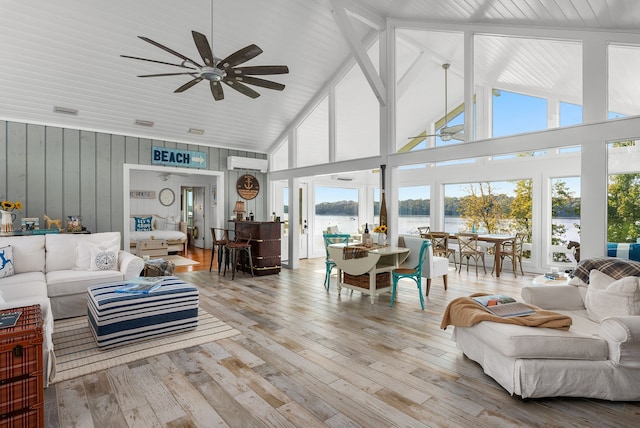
(117, 318)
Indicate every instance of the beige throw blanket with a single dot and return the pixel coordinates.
(465, 312)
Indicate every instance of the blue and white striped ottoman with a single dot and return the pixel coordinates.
(120, 318)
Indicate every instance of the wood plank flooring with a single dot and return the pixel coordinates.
(308, 358)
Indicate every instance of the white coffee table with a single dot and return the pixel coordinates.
(542, 280)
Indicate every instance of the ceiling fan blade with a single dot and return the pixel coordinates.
(451, 129)
(189, 84)
(216, 91)
(262, 70)
(243, 89)
(171, 51)
(423, 136)
(158, 62)
(204, 48)
(166, 74)
(459, 137)
(260, 82)
(240, 56)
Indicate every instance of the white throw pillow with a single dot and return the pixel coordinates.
(87, 252)
(103, 258)
(607, 297)
(159, 223)
(6, 262)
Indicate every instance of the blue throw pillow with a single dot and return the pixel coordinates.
(6, 262)
(142, 224)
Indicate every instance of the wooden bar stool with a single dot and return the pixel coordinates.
(220, 238)
(239, 246)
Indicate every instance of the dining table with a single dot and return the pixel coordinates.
(497, 239)
(367, 260)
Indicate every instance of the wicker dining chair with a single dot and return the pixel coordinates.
(512, 250)
(440, 245)
(468, 243)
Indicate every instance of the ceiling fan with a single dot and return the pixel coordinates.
(446, 133)
(217, 71)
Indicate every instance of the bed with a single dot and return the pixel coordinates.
(153, 226)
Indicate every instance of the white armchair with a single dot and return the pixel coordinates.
(433, 266)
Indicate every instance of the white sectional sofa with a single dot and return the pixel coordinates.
(598, 357)
(55, 270)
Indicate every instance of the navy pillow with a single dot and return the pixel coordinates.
(142, 224)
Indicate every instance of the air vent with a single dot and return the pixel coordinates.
(146, 123)
(65, 110)
(196, 131)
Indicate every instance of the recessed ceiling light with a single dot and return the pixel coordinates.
(65, 110)
(196, 131)
(144, 122)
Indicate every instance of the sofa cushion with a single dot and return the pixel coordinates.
(62, 248)
(28, 252)
(6, 262)
(69, 282)
(23, 286)
(607, 297)
(578, 343)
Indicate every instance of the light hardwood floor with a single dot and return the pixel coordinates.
(309, 358)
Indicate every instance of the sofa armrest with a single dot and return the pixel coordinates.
(623, 337)
(553, 297)
(129, 264)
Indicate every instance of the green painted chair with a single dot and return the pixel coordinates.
(332, 238)
(411, 273)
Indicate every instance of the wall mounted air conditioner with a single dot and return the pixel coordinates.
(247, 164)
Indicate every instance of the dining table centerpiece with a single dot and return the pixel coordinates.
(381, 230)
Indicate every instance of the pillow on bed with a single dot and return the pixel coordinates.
(142, 224)
(159, 223)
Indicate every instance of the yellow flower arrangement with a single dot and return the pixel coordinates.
(380, 229)
(10, 206)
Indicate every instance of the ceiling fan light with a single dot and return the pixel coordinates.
(445, 137)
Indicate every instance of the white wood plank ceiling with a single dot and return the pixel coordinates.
(67, 53)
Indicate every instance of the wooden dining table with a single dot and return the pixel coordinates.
(377, 260)
(498, 240)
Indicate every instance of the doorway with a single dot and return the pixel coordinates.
(192, 212)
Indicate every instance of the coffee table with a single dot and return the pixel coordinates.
(543, 280)
(117, 318)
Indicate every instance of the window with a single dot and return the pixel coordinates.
(313, 137)
(623, 208)
(565, 217)
(413, 208)
(624, 81)
(506, 121)
(336, 206)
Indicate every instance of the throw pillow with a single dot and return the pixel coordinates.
(6, 262)
(608, 297)
(143, 224)
(103, 259)
(159, 223)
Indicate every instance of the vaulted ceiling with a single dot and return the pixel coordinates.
(66, 53)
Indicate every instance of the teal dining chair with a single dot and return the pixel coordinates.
(332, 238)
(411, 273)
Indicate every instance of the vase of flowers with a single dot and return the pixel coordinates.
(382, 234)
(6, 221)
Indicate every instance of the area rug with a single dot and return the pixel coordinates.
(77, 353)
(180, 261)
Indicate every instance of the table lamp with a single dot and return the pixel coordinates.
(239, 210)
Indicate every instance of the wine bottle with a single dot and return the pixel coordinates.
(383, 203)
(366, 228)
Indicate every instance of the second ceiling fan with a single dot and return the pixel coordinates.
(446, 133)
(217, 71)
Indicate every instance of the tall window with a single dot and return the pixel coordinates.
(336, 207)
(565, 217)
(505, 122)
(413, 208)
(624, 81)
(623, 208)
(313, 137)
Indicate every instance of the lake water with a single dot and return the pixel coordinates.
(410, 224)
